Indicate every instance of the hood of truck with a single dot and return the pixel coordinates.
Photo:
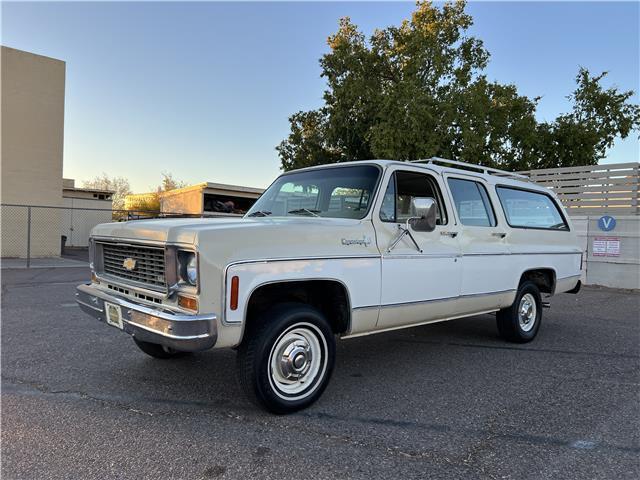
(177, 230)
(222, 240)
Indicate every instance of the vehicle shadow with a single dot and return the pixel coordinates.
(207, 380)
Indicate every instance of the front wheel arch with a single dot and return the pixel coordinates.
(313, 292)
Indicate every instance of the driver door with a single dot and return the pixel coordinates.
(417, 286)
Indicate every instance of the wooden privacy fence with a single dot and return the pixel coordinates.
(593, 189)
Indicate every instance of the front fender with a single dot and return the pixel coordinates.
(359, 275)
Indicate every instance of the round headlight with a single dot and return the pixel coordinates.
(192, 270)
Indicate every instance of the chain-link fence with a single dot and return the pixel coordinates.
(35, 231)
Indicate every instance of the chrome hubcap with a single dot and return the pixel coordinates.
(527, 312)
(297, 361)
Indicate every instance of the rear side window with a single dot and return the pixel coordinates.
(472, 203)
(527, 209)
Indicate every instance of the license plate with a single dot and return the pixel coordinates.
(114, 315)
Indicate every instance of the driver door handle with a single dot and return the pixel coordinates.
(450, 234)
(499, 234)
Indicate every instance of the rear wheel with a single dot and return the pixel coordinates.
(521, 321)
(284, 363)
(158, 351)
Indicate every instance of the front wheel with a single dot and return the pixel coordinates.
(521, 321)
(284, 364)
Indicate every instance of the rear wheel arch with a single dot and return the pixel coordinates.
(543, 277)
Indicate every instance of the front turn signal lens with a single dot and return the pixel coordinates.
(233, 300)
(188, 303)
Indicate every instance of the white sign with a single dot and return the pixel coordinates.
(599, 247)
(613, 247)
(606, 247)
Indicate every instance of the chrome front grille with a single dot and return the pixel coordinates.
(148, 269)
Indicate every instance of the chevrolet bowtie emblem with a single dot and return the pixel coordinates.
(129, 263)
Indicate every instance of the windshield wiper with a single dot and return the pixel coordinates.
(298, 211)
(259, 213)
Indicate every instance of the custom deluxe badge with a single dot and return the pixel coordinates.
(364, 241)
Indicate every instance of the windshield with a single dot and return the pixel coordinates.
(338, 192)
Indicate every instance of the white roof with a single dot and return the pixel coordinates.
(493, 177)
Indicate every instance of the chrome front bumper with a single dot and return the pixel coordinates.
(186, 333)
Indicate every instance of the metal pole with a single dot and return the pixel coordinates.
(28, 237)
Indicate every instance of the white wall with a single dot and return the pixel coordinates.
(77, 223)
(621, 271)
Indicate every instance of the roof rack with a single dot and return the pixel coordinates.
(480, 168)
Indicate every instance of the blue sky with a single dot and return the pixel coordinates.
(204, 90)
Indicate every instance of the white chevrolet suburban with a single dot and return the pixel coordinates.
(335, 251)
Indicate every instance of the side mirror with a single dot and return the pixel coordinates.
(426, 211)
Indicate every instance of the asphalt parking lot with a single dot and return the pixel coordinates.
(448, 400)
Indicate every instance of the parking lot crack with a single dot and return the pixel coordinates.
(42, 389)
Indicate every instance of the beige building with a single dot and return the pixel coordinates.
(201, 199)
(209, 199)
(85, 208)
(32, 97)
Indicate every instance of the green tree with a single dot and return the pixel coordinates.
(582, 137)
(418, 90)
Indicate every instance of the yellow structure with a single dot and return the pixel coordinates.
(142, 202)
(32, 97)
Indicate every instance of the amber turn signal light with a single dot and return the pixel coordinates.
(233, 300)
(188, 303)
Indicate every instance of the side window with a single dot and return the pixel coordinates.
(388, 207)
(402, 189)
(472, 203)
(528, 209)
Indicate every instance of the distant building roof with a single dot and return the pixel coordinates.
(217, 188)
(69, 185)
(91, 190)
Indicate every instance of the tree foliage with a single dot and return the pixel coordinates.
(418, 90)
(151, 201)
(118, 185)
(169, 183)
(121, 188)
